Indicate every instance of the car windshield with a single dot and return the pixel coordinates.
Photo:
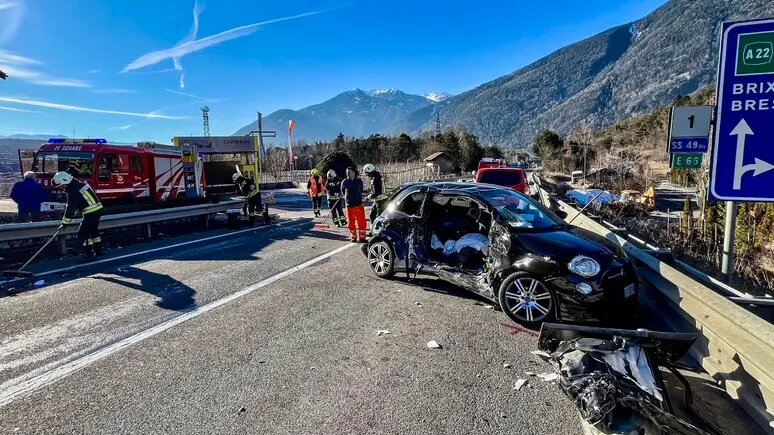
(519, 211)
(501, 178)
(80, 163)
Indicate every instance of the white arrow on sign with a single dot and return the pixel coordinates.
(741, 131)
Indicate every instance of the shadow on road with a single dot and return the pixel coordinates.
(436, 285)
(173, 295)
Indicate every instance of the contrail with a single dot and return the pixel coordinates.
(181, 50)
(85, 109)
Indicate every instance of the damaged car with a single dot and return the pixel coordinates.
(506, 247)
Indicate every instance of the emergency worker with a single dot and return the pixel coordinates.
(333, 187)
(247, 187)
(377, 194)
(352, 191)
(316, 189)
(82, 198)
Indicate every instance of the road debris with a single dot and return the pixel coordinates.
(418, 304)
(548, 377)
(529, 373)
(506, 366)
(518, 384)
(242, 410)
(432, 344)
(540, 353)
(39, 283)
(380, 332)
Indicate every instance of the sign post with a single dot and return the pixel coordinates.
(744, 134)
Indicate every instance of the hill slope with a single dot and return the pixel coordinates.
(624, 71)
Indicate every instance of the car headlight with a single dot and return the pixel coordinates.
(584, 266)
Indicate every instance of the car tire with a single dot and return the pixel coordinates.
(381, 259)
(527, 301)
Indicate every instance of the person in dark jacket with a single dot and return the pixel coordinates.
(82, 198)
(28, 195)
(352, 190)
(377, 194)
(247, 187)
(333, 188)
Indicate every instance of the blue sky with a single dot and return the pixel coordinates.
(107, 68)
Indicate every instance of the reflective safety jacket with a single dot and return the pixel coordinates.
(377, 187)
(80, 197)
(315, 186)
(246, 187)
(333, 187)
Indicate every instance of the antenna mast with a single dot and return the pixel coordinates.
(206, 120)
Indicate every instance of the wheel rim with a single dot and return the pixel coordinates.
(379, 258)
(528, 299)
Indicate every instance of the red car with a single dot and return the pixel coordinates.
(513, 178)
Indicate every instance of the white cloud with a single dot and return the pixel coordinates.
(6, 57)
(11, 15)
(13, 109)
(181, 50)
(95, 71)
(85, 109)
(64, 83)
(124, 127)
(209, 100)
(197, 10)
(114, 91)
(166, 70)
(39, 78)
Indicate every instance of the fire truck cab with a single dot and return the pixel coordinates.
(148, 171)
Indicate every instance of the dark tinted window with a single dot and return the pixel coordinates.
(501, 178)
(137, 164)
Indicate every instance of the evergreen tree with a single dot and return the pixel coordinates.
(450, 144)
(494, 152)
(405, 148)
(472, 151)
(547, 145)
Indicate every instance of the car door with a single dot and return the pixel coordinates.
(404, 227)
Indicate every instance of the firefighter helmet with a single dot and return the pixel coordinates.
(315, 171)
(331, 173)
(368, 168)
(61, 178)
(235, 177)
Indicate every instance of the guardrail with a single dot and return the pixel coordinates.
(735, 347)
(14, 232)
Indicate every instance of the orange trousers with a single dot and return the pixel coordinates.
(356, 216)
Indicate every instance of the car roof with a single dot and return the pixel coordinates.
(501, 168)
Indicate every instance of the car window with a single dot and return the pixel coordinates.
(519, 211)
(411, 204)
(137, 164)
(501, 178)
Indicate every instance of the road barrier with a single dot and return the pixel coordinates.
(35, 230)
(735, 346)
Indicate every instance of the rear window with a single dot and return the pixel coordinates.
(501, 178)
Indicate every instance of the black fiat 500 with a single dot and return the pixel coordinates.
(506, 247)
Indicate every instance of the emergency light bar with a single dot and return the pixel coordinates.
(62, 140)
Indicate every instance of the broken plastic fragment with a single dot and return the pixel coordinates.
(548, 377)
(39, 283)
(506, 366)
(540, 353)
(520, 383)
(381, 332)
(432, 344)
(529, 373)
(489, 307)
(418, 304)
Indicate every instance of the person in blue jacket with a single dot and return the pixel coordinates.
(28, 194)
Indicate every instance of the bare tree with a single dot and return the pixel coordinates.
(276, 162)
(621, 162)
(584, 137)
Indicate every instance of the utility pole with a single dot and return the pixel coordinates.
(206, 120)
(438, 124)
(259, 146)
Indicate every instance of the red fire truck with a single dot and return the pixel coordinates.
(148, 171)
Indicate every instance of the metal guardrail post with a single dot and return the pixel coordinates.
(62, 244)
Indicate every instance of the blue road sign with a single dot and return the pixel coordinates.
(689, 145)
(743, 154)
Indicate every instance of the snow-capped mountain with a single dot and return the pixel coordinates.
(437, 97)
(353, 113)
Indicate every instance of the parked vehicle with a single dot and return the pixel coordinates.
(507, 248)
(488, 162)
(512, 178)
(147, 171)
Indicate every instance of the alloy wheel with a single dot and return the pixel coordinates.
(379, 257)
(528, 299)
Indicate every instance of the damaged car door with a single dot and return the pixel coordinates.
(405, 228)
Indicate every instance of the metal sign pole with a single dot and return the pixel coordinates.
(728, 240)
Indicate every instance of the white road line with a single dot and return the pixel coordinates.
(161, 248)
(20, 389)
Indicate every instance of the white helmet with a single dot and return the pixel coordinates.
(331, 173)
(368, 168)
(61, 178)
(235, 177)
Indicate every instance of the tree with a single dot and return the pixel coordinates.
(404, 148)
(494, 152)
(339, 142)
(688, 216)
(547, 145)
(472, 152)
(583, 136)
(450, 144)
(276, 162)
(338, 161)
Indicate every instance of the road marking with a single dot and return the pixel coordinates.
(28, 386)
(283, 225)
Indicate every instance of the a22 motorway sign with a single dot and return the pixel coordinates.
(743, 154)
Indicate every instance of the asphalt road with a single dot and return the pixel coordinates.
(265, 331)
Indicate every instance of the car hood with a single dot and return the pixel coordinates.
(563, 244)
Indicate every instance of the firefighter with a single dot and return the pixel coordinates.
(316, 189)
(352, 191)
(333, 187)
(377, 195)
(247, 187)
(81, 197)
